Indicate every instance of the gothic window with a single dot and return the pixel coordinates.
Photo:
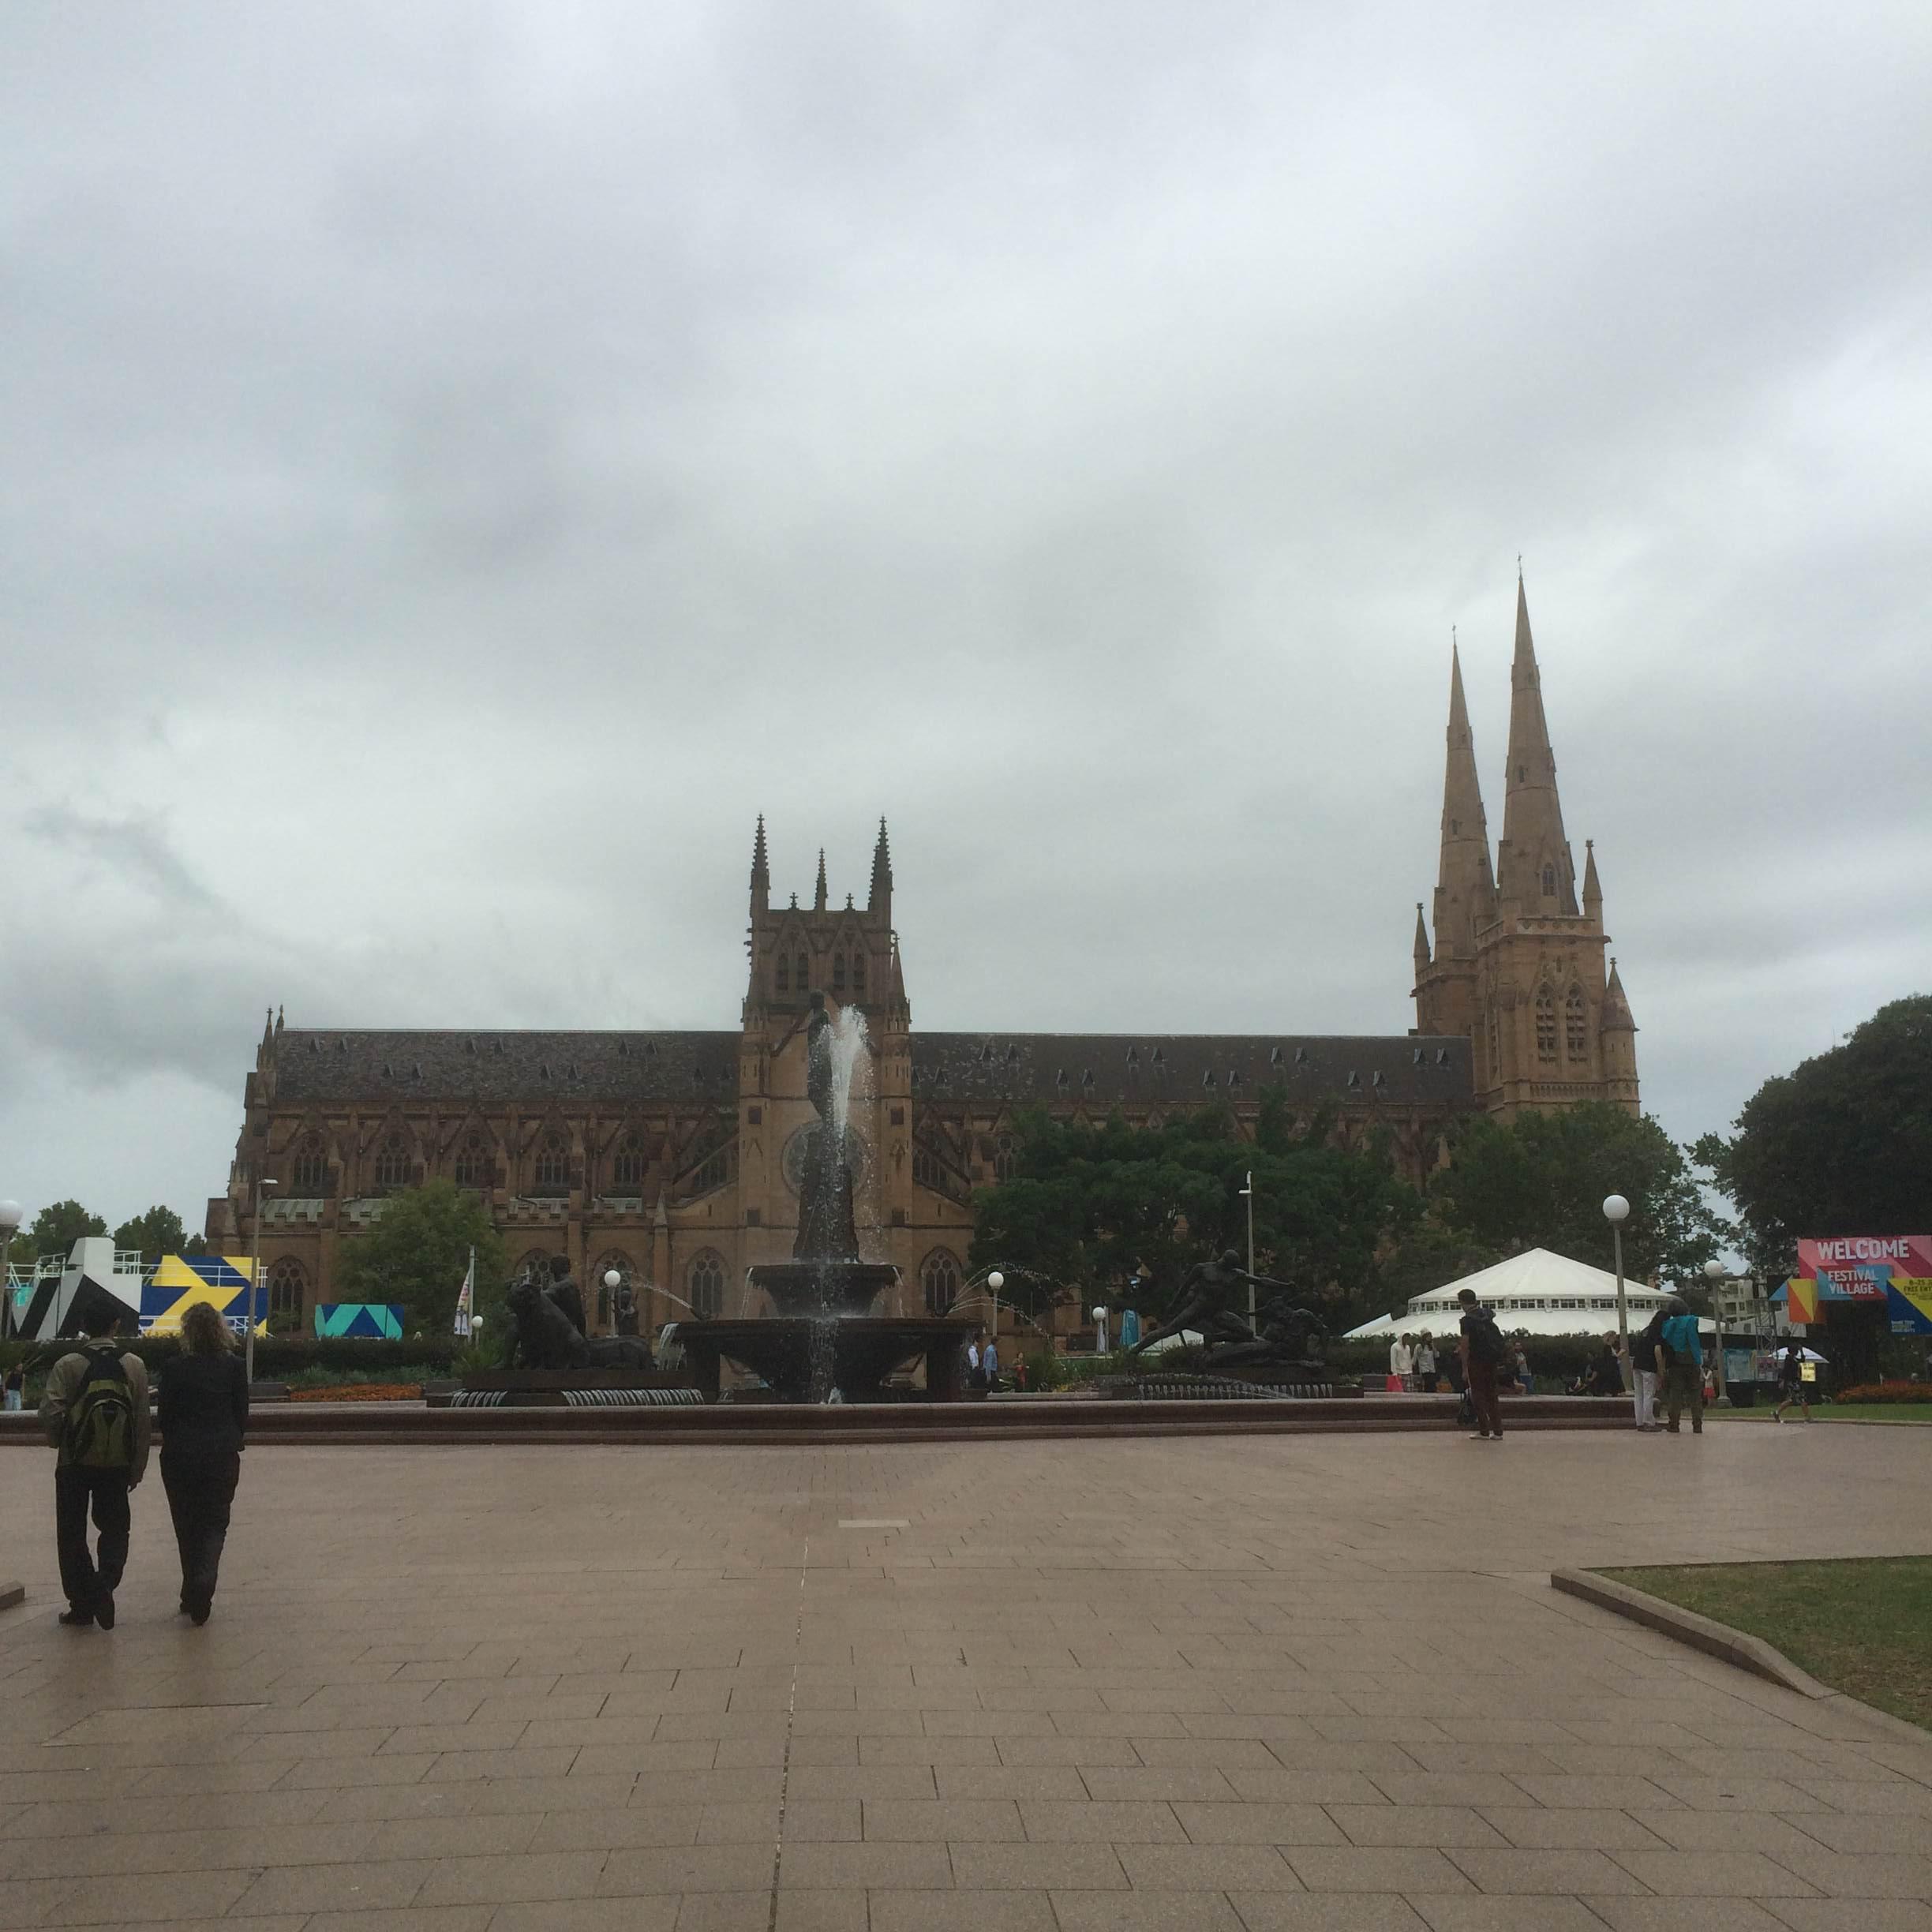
(618, 1262)
(536, 1263)
(627, 1164)
(801, 974)
(553, 1165)
(1006, 1159)
(308, 1173)
(1545, 1026)
(1495, 1045)
(939, 1275)
(1576, 1036)
(705, 1280)
(857, 972)
(286, 1281)
(838, 972)
(784, 972)
(1549, 881)
(926, 1171)
(392, 1165)
(473, 1162)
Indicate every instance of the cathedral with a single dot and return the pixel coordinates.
(672, 1158)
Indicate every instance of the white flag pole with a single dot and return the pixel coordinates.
(465, 1299)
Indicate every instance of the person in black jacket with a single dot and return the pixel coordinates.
(203, 1411)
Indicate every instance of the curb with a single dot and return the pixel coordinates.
(1719, 1640)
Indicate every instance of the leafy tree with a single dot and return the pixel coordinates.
(158, 1232)
(56, 1229)
(1541, 1180)
(1099, 1208)
(1430, 1256)
(415, 1253)
(1841, 1145)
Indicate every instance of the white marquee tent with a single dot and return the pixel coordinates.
(1538, 1293)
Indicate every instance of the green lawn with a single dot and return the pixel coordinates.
(1863, 1625)
(1832, 1412)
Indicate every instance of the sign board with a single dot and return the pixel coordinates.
(179, 1281)
(378, 1320)
(1894, 1269)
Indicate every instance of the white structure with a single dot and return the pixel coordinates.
(59, 1298)
(1538, 1294)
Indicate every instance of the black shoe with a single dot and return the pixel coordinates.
(77, 1620)
(201, 1613)
(104, 1611)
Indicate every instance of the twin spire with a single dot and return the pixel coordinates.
(1534, 872)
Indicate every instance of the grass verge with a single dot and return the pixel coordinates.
(1863, 1625)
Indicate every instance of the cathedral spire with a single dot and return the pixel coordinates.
(879, 899)
(1422, 943)
(818, 897)
(1464, 887)
(761, 871)
(1534, 871)
(1593, 891)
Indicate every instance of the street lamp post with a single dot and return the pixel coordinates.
(995, 1282)
(1713, 1274)
(254, 1300)
(9, 1221)
(1616, 1211)
(1248, 1195)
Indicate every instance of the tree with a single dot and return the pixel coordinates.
(1101, 1207)
(1541, 1180)
(415, 1252)
(1429, 1256)
(56, 1229)
(157, 1233)
(1841, 1145)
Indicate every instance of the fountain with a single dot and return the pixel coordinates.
(824, 1343)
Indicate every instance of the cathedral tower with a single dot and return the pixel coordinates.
(1517, 965)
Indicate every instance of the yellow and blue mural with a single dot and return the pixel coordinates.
(180, 1281)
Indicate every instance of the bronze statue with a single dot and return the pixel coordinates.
(1208, 1304)
(564, 1294)
(544, 1338)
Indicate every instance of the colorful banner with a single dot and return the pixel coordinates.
(180, 1281)
(1909, 1304)
(1861, 1265)
(377, 1320)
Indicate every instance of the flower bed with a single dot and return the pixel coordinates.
(361, 1391)
(1886, 1392)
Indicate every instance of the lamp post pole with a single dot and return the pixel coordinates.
(254, 1300)
(1248, 1195)
(1616, 1211)
(1713, 1274)
(10, 1220)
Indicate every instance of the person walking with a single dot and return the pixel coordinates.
(988, 1363)
(1482, 1351)
(1402, 1363)
(1681, 1369)
(1793, 1386)
(1519, 1360)
(94, 1410)
(1425, 1364)
(1645, 1374)
(15, 1388)
(202, 1409)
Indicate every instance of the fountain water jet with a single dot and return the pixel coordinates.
(824, 1336)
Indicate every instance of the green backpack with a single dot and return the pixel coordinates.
(99, 1432)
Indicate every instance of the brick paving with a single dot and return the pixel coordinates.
(1258, 1685)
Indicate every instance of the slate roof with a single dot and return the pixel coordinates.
(1175, 1069)
(1188, 1069)
(317, 1066)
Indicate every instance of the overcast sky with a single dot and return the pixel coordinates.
(459, 463)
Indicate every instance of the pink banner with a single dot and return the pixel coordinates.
(1860, 1264)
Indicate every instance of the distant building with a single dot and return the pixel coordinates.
(672, 1157)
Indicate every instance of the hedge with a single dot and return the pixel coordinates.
(1886, 1392)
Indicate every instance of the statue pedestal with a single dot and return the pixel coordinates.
(556, 1388)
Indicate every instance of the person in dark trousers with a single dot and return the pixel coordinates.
(94, 1410)
(203, 1410)
(1792, 1387)
(1482, 1349)
(1680, 1367)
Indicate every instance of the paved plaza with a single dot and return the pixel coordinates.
(1265, 1684)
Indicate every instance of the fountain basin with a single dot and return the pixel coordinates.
(803, 1357)
(841, 1287)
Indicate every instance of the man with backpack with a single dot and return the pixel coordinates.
(1482, 1351)
(1680, 1364)
(95, 1412)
